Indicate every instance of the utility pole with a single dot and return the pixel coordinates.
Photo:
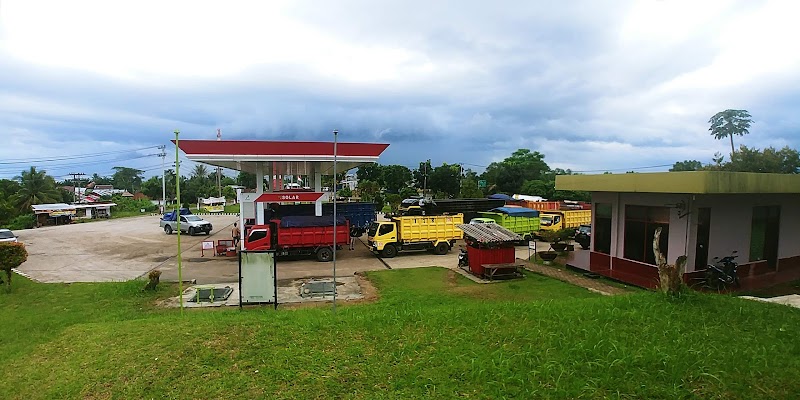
(163, 156)
(219, 169)
(76, 190)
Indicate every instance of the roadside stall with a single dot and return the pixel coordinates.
(489, 251)
(53, 214)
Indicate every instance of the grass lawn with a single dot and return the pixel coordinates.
(432, 334)
(232, 208)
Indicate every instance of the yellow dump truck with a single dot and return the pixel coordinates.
(434, 232)
(552, 220)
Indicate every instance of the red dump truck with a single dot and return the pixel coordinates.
(298, 236)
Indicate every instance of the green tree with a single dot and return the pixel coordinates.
(200, 171)
(446, 179)
(368, 190)
(408, 192)
(395, 177)
(538, 187)
(345, 192)
(729, 123)
(394, 201)
(152, 187)
(126, 178)
(101, 180)
(422, 174)
(246, 179)
(370, 172)
(229, 192)
(770, 160)
(36, 187)
(507, 176)
(469, 189)
(687, 165)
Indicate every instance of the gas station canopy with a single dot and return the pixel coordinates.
(285, 158)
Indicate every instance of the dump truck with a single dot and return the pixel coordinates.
(299, 236)
(437, 233)
(520, 220)
(555, 220)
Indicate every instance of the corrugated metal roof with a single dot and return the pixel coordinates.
(489, 233)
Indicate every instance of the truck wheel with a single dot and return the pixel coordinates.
(167, 229)
(441, 249)
(324, 254)
(389, 251)
(191, 231)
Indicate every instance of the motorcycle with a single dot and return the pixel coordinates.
(463, 258)
(723, 272)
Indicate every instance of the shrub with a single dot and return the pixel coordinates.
(126, 204)
(12, 254)
(154, 276)
(25, 221)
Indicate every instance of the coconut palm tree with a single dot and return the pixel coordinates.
(728, 123)
(200, 171)
(36, 187)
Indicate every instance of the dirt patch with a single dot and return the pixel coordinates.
(368, 291)
(160, 259)
(451, 278)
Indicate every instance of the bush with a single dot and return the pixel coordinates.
(25, 221)
(126, 204)
(12, 254)
(557, 236)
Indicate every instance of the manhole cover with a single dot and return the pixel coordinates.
(317, 288)
(211, 294)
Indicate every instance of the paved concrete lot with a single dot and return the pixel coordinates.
(123, 249)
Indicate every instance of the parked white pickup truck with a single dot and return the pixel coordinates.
(190, 224)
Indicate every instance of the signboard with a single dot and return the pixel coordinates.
(208, 245)
(481, 183)
(258, 282)
(289, 197)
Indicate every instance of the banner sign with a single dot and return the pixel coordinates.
(290, 197)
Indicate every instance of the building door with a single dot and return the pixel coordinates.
(703, 231)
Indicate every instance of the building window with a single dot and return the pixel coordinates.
(602, 228)
(640, 227)
(703, 234)
(764, 234)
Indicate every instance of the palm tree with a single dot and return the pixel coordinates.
(36, 187)
(200, 171)
(728, 123)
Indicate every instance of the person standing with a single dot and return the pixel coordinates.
(235, 233)
(354, 233)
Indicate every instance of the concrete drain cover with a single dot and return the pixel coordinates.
(211, 294)
(317, 288)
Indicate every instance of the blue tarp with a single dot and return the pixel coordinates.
(309, 221)
(500, 196)
(170, 216)
(517, 211)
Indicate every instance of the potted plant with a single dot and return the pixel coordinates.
(558, 239)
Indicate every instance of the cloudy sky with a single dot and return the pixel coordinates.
(594, 85)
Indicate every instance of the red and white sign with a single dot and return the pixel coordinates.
(289, 197)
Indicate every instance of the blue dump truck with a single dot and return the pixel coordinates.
(360, 215)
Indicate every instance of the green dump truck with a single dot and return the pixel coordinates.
(520, 220)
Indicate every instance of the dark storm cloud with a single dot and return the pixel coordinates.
(557, 78)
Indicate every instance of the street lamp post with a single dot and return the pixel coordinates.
(335, 134)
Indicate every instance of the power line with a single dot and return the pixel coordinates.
(73, 157)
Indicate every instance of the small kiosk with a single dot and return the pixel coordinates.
(490, 251)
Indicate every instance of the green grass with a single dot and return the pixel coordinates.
(232, 208)
(432, 334)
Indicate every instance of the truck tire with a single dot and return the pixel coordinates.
(441, 249)
(389, 251)
(324, 254)
(167, 229)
